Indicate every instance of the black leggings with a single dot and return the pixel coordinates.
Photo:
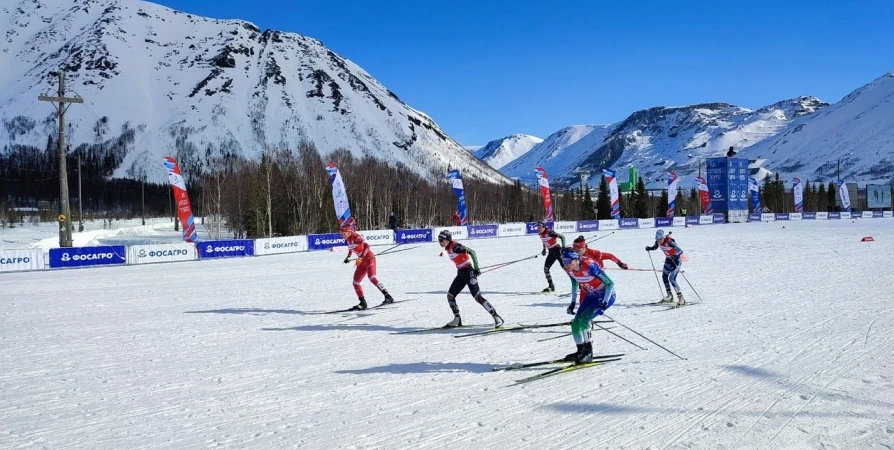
(464, 277)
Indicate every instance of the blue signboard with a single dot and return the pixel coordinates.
(585, 226)
(878, 214)
(691, 220)
(410, 236)
(727, 183)
(325, 241)
(87, 256)
(809, 216)
(754, 217)
(627, 223)
(226, 249)
(834, 215)
(482, 231)
(781, 216)
(718, 218)
(664, 222)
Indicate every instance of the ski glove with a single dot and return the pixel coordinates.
(648, 249)
(347, 259)
(476, 272)
(543, 253)
(570, 309)
(622, 265)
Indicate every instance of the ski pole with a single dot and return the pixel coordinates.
(640, 335)
(655, 272)
(690, 285)
(594, 239)
(616, 334)
(493, 267)
(388, 252)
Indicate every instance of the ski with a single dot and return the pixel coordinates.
(679, 306)
(517, 328)
(554, 361)
(564, 369)
(441, 328)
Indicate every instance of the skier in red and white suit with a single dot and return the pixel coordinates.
(366, 265)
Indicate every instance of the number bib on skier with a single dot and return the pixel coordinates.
(458, 255)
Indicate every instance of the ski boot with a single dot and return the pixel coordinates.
(681, 301)
(550, 288)
(573, 356)
(498, 321)
(585, 355)
(669, 298)
(360, 306)
(456, 322)
(388, 299)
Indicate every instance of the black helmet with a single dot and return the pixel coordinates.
(445, 235)
(540, 223)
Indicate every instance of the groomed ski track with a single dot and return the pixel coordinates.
(792, 346)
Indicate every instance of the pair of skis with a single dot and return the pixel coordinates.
(598, 360)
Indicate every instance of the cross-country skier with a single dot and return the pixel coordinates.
(597, 294)
(466, 275)
(672, 263)
(597, 256)
(550, 240)
(366, 265)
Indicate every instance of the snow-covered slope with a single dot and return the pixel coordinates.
(502, 151)
(559, 153)
(659, 139)
(858, 130)
(187, 84)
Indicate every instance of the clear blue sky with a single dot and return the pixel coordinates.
(487, 69)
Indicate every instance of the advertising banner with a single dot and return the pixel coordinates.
(680, 221)
(754, 217)
(795, 216)
(413, 236)
(511, 229)
(628, 224)
(693, 220)
(768, 217)
(565, 227)
(718, 218)
(87, 256)
(650, 223)
(226, 249)
(273, 246)
(482, 231)
(325, 241)
(587, 226)
(608, 224)
(378, 237)
(457, 232)
(667, 221)
(822, 216)
(160, 253)
(706, 220)
(22, 260)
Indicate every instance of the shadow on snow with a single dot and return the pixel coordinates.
(423, 367)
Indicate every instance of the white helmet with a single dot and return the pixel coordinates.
(659, 235)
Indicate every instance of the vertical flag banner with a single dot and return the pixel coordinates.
(340, 198)
(671, 194)
(543, 181)
(798, 191)
(457, 181)
(613, 192)
(184, 210)
(845, 197)
(755, 196)
(704, 195)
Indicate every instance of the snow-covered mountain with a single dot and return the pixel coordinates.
(659, 139)
(498, 153)
(858, 131)
(174, 83)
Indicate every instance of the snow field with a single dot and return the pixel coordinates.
(790, 348)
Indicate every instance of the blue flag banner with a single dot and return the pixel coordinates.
(457, 181)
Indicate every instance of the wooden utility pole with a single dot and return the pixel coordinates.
(80, 198)
(64, 207)
(143, 196)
